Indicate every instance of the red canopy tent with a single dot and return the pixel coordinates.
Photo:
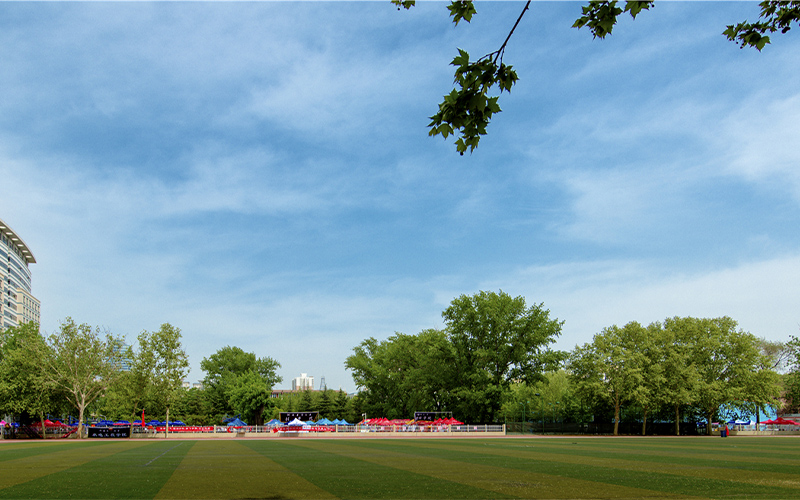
(780, 421)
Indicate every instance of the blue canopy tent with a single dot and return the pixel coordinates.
(274, 421)
(236, 423)
(324, 421)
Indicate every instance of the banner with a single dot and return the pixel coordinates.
(185, 428)
(305, 416)
(109, 432)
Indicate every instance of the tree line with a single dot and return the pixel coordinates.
(83, 373)
(492, 362)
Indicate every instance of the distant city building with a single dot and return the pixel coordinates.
(18, 305)
(303, 382)
(192, 385)
(125, 361)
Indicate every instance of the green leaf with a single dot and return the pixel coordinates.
(462, 59)
(461, 9)
(406, 4)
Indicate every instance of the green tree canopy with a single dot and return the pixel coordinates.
(731, 370)
(490, 340)
(792, 379)
(167, 363)
(24, 389)
(82, 362)
(706, 364)
(404, 373)
(612, 367)
(233, 376)
(497, 339)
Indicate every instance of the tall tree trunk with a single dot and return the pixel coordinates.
(166, 429)
(644, 422)
(81, 408)
(677, 420)
(616, 417)
(709, 417)
(41, 420)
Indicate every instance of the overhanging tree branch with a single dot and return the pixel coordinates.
(468, 108)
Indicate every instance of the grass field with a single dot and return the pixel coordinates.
(739, 467)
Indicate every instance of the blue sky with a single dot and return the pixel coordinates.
(260, 175)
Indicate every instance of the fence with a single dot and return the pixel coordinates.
(599, 428)
(342, 430)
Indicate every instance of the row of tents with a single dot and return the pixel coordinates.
(398, 422)
(236, 422)
(298, 422)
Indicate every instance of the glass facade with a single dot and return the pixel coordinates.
(18, 304)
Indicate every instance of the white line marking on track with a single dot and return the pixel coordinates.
(153, 460)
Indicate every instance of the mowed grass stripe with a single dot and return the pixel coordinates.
(137, 471)
(760, 447)
(515, 483)
(675, 479)
(228, 469)
(353, 478)
(742, 460)
(22, 449)
(51, 475)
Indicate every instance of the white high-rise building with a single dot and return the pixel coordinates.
(303, 382)
(18, 305)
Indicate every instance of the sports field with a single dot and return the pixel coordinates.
(739, 467)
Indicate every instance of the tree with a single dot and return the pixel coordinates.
(792, 379)
(681, 377)
(82, 362)
(249, 396)
(491, 340)
(168, 365)
(775, 15)
(611, 367)
(307, 401)
(551, 399)
(23, 387)
(650, 394)
(497, 340)
(192, 407)
(154, 380)
(731, 371)
(340, 404)
(325, 404)
(404, 373)
(468, 108)
(225, 367)
(779, 354)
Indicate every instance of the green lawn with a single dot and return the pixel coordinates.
(737, 467)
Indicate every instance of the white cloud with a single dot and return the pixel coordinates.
(589, 296)
(759, 141)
